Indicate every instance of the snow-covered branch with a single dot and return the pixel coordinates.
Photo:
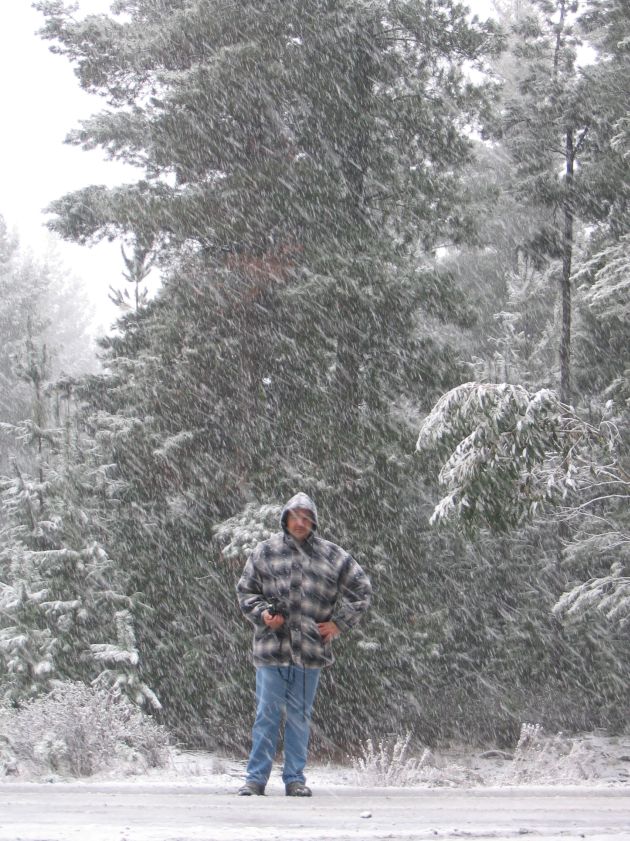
(506, 453)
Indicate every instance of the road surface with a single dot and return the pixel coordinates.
(171, 812)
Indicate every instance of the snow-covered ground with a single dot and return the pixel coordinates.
(548, 793)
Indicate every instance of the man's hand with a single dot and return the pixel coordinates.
(273, 622)
(328, 630)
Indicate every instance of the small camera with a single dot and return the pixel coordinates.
(277, 607)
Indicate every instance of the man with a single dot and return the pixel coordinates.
(299, 592)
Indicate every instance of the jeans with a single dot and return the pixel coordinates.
(280, 689)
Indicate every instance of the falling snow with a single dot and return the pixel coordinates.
(349, 226)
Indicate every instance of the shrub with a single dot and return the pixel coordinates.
(78, 730)
(388, 763)
(539, 758)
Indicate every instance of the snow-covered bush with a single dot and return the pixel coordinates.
(8, 763)
(78, 730)
(550, 759)
(390, 763)
(387, 763)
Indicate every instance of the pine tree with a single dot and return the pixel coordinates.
(547, 131)
(301, 164)
(598, 554)
(40, 302)
(603, 338)
(63, 597)
(507, 458)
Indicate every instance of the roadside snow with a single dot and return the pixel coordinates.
(552, 790)
(590, 759)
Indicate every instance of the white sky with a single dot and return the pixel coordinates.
(40, 102)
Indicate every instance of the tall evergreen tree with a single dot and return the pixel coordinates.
(301, 164)
(41, 303)
(65, 615)
(580, 548)
(603, 338)
(546, 128)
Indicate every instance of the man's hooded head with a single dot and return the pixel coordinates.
(299, 502)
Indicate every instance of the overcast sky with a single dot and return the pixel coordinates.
(40, 102)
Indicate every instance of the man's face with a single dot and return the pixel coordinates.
(300, 523)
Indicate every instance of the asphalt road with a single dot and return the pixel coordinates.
(165, 812)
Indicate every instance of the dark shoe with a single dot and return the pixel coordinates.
(249, 789)
(298, 790)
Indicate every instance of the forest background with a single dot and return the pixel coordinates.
(392, 243)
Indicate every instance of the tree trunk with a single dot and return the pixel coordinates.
(565, 280)
(354, 164)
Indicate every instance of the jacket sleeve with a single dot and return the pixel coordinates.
(355, 592)
(249, 590)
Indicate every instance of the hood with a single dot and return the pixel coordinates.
(300, 500)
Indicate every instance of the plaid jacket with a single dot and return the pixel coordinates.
(317, 581)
